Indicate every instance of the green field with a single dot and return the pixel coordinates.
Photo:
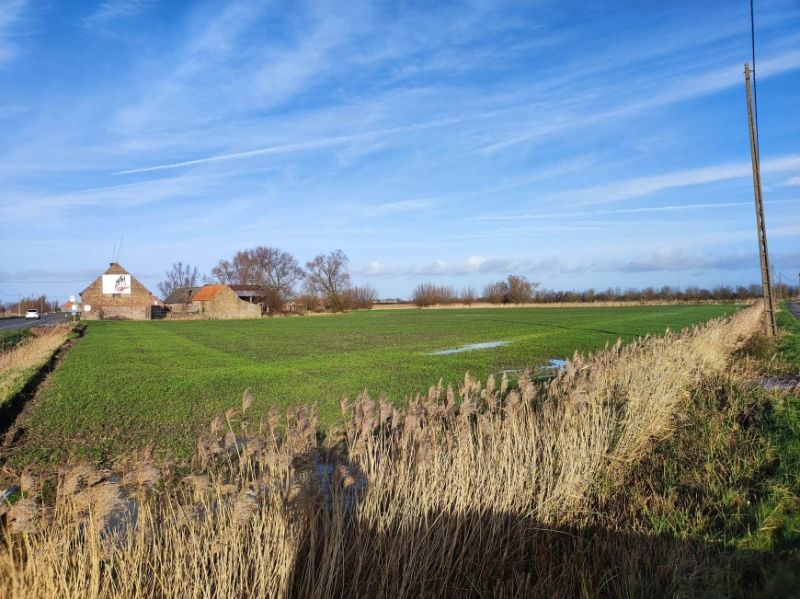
(125, 383)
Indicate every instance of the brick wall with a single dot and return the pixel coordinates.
(228, 305)
(135, 306)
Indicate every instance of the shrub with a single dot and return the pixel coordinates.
(428, 294)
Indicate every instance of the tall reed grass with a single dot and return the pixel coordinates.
(490, 489)
(17, 363)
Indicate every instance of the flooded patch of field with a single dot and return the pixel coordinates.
(555, 364)
(469, 347)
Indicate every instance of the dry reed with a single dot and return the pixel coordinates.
(17, 363)
(484, 490)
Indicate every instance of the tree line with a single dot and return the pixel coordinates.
(20, 306)
(324, 282)
(517, 289)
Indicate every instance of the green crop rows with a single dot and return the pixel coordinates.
(126, 383)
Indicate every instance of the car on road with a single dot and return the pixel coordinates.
(32, 313)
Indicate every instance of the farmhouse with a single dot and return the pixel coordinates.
(216, 301)
(117, 295)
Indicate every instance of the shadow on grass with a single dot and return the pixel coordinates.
(489, 554)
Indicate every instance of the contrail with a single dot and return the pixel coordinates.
(294, 147)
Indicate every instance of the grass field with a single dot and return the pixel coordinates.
(126, 383)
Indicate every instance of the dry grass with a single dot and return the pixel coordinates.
(17, 364)
(488, 489)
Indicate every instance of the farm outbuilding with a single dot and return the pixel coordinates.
(117, 295)
(216, 301)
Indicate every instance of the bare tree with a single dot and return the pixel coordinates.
(179, 275)
(428, 294)
(276, 271)
(363, 297)
(327, 276)
(520, 289)
(238, 271)
(468, 296)
(496, 293)
(514, 290)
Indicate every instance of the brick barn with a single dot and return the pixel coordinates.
(216, 301)
(117, 295)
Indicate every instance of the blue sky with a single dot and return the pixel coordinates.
(580, 144)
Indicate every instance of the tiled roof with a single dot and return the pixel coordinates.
(208, 292)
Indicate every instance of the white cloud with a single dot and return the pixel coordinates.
(373, 210)
(473, 265)
(618, 211)
(664, 259)
(644, 186)
(112, 10)
(682, 88)
(130, 194)
(49, 276)
(679, 259)
(288, 148)
(10, 14)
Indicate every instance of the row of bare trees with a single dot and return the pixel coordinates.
(514, 289)
(324, 283)
(664, 293)
(20, 306)
(519, 290)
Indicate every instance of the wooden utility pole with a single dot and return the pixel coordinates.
(766, 276)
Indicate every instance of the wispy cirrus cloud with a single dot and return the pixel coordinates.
(636, 187)
(111, 10)
(302, 146)
(49, 276)
(621, 211)
(463, 140)
(11, 12)
(400, 207)
(682, 88)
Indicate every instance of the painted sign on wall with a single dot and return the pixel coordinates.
(116, 284)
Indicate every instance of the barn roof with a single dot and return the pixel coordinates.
(249, 290)
(208, 292)
(181, 295)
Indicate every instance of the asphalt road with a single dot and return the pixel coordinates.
(8, 324)
(794, 308)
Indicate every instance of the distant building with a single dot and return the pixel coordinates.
(216, 301)
(67, 306)
(117, 295)
(252, 294)
(180, 300)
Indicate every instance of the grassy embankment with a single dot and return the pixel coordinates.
(23, 353)
(729, 479)
(127, 383)
(654, 469)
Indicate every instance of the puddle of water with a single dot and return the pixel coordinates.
(785, 383)
(508, 371)
(555, 364)
(470, 347)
